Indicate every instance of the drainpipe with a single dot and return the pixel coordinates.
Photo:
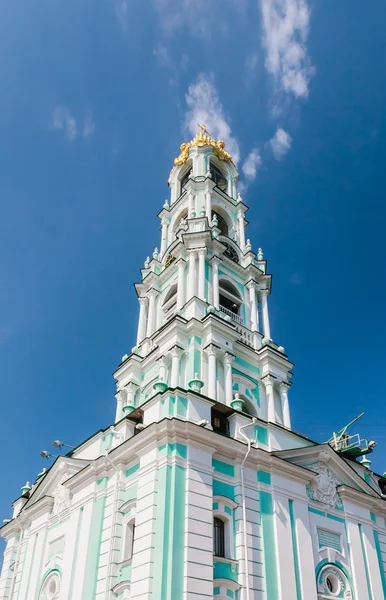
(247, 590)
(17, 560)
(115, 501)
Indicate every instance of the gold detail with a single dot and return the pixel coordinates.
(203, 129)
(169, 260)
(203, 139)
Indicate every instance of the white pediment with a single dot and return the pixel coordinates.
(51, 484)
(331, 471)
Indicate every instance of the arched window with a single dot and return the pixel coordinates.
(129, 541)
(51, 587)
(182, 217)
(222, 224)
(185, 179)
(333, 583)
(218, 177)
(170, 301)
(218, 537)
(230, 301)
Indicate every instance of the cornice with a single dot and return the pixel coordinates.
(346, 492)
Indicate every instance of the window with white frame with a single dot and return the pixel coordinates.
(218, 537)
(129, 540)
(170, 301)
(223, 516)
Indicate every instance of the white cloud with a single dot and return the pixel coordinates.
(121, 12)
(162, 54)
(202, 19)
(63, 120)
(89, 127)
(204, 107)
(252, 164)
(280, 143)
(285, 32)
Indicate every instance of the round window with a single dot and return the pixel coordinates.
(333, 584)
(51, 588)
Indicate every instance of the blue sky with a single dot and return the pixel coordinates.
(97, 96)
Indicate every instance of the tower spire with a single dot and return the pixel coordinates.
(206, 288)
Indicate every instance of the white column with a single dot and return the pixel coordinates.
(190, 205)
(252, 299)
(284, 547)
(131, 389)
(121, 401)
(215, 283)
(181, 284)
(211, 351)
(283, 387)
(192, 274)
(164, 237)
(264, 306)
(357, 560)
(151, 315)
(175, 373)
(228, 358)
(209, 207)
(306, 553)
(201, 273)
(268, 383)
(240, 216)
(142, 320)
(162, 369)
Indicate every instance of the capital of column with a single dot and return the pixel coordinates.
(251, 285)
(152, 292)
(163, 361)
(284, 386)
(121, 396)
(228, 358)
(268, 381)
(240, 214)
(211, 350)
(215, 260)
(202, 251)
(176, 351)
(131, 387)
(143, 301)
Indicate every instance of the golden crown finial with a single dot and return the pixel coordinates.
(203, 139)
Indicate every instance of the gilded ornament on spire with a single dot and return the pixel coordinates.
(203, 139)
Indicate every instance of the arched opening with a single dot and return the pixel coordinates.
(230, 301)
(221, 223)
(218, 177)
(333, 583)
(185, 178)
(170, 301)
(179, 220)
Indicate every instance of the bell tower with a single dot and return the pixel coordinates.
(204, 349)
